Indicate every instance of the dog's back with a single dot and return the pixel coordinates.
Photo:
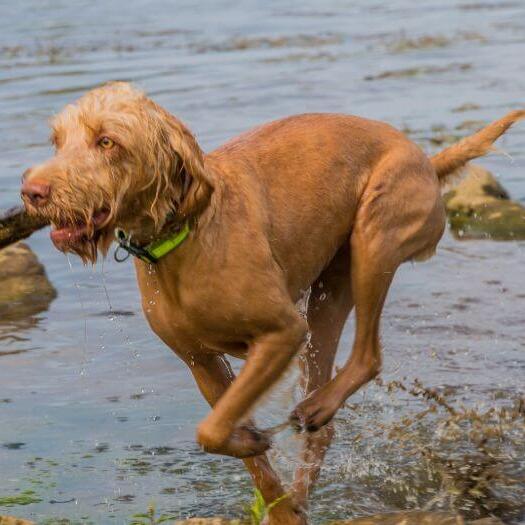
(310, 172)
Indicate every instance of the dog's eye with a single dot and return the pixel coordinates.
(106, 143)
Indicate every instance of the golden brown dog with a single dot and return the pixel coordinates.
(326, 202)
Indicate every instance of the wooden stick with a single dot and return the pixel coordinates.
(16, 224)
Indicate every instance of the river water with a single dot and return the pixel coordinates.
(97, 417)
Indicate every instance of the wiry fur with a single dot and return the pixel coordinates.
(156, 157)
(327, 202)
(145, 170)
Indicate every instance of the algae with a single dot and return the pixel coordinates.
(419, 71)
(24, 498)
(480, 208)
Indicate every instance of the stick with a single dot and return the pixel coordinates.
(269, 432)
(16, 224)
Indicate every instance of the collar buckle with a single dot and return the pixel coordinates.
(124, 243)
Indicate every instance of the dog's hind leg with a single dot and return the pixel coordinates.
(328, 308)
(400, 218)
(213, 375)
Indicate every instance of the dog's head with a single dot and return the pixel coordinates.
(120, 160)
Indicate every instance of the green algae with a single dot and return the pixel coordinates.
(65, 521)
(150, 517)
(500, 221)
(24, 498)
(479, 207)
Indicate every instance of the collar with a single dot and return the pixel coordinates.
(153, 251)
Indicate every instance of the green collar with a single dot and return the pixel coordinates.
(153, 251)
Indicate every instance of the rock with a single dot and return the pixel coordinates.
(416, 518)
(397, 518)
(206, 521)
(480, 208)
(11, 520)
(487, 521)
(25, 289)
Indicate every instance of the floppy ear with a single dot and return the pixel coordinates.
(194, 180)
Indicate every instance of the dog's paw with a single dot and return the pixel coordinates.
(314, 412)
(244, 442)
(297, 519)
(294, 520)
(289, 514)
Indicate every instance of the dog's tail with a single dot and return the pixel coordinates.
(450, 160)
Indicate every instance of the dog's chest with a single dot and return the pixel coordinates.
(184, 320)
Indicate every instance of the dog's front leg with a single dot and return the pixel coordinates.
(213, 376)
(268, 356)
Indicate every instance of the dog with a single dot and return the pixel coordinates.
(323, 202)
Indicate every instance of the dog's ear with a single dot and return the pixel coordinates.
(193, 181)
(183, 179)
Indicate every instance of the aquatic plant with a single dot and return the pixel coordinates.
(461, 459)
(149, 517)
(258, 508)
(24, 498)
(66, 521)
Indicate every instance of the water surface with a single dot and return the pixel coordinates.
(97, 417)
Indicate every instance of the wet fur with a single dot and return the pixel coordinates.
(323, 201)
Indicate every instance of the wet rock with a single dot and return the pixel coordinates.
(480, 208)
(245, 43)
(416, 518)
(419, 71)
(207, 521)
(470, 125)
(397, 518)
(468, 106)
(25, 289)
(11, 520)
(405, 43)
(475, 6)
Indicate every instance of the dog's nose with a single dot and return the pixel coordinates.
(37, 192)
(26, 174)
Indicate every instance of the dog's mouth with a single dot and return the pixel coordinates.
(68, 237)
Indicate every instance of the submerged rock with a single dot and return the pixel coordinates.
(416, 518)
(11, 520)
(207, 521)
(397, 518)
(25, 289)
(480, 208)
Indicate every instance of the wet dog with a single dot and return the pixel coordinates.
(322, 202)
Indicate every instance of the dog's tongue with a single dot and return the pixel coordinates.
(71, 235)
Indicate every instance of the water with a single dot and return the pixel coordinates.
(96, 415)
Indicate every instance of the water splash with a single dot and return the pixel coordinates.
(84, 315)
(441, 456)
(115, 319)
